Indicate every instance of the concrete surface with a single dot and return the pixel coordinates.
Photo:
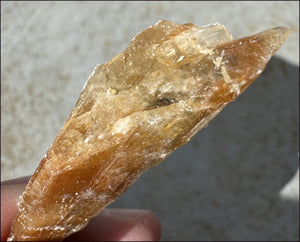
(235, 180)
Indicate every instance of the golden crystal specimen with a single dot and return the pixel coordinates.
(132, 113)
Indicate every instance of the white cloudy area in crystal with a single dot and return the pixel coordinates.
(132, 113)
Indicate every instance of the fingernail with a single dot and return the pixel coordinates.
(127, 214)
(22, 180)
(12, 191)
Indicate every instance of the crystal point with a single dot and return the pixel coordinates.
(132, 113)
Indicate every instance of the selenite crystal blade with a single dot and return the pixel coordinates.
(132, 113)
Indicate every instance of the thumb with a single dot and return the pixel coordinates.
(120, 225)
(110, 224)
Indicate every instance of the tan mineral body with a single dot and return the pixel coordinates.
(132, 113)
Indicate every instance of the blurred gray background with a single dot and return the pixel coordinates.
(237, 179)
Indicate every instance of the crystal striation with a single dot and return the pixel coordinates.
(132, 113)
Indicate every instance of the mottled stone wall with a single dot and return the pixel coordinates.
(233, 181)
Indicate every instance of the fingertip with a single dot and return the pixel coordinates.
(9, 199)
(147, 228)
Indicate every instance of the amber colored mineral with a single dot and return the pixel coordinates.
(132, 113)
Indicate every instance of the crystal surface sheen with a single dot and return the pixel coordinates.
(132, 113)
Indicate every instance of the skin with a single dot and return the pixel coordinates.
(109, 225)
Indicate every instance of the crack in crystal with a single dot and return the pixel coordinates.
(132, 113)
